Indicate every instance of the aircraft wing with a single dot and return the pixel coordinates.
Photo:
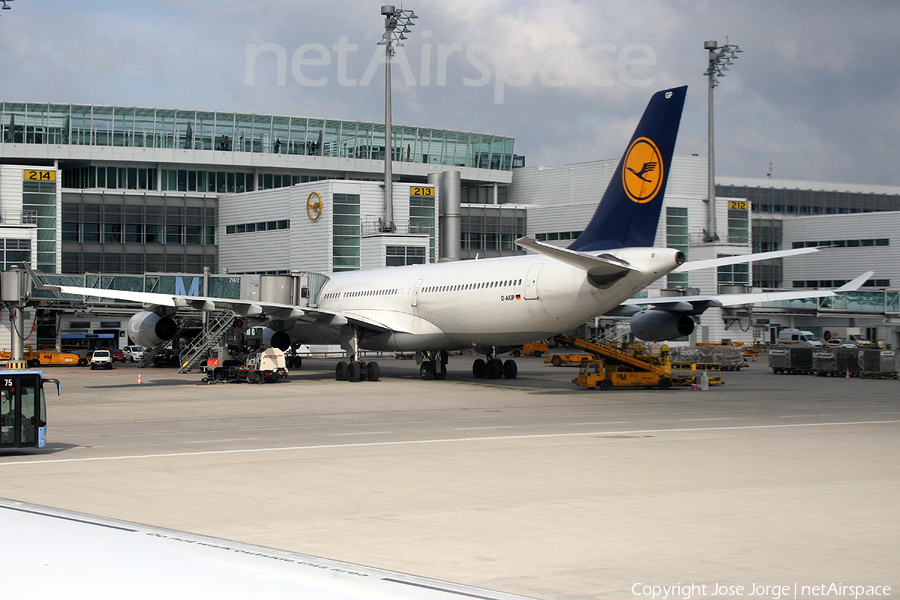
(741, 258)
(67, 554)
(245, 308)
(697, 304)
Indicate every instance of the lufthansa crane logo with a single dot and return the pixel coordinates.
(642, 171)
(314, 206)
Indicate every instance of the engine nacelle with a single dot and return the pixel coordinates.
(659, 325)
(150, 329)
(272, 338)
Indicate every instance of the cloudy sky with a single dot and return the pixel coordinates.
(815, 92)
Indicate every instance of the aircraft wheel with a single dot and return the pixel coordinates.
(494, 369)
(354, 372)
(373, 372)
(510, 369)
(606, 384)
(479, 368)
(426, 371)
(665, 383)
(340, 371)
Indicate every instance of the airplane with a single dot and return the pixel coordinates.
(498, 303)
(60, 553)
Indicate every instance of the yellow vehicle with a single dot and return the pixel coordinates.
(536, 349)
(558, 360)
(47, 358)
(594, 373)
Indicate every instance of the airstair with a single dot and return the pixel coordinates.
(217, 325)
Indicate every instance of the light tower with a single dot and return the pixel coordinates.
(720, 58)
(396, 24)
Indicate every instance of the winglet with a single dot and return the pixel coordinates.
(38, 283)
(852, 286)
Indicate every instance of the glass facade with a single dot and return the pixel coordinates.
(345, 233)
(134, 127)
(421, 220)
(678, 239)
(491, 230)
(809, 202)
(127, 233)
(39, 199)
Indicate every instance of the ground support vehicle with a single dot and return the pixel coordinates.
(266, 366)
(596, 373)
(559, 360)
(48, 358)
(23, 410)
(535, 349)
(612, 367)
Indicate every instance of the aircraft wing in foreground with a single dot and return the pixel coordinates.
(64, 554)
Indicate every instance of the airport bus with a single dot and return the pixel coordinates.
(23, 409)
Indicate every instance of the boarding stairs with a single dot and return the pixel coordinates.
(150, 355)
(217, 325)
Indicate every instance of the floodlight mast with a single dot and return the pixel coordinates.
(719, 59)
(396, 23)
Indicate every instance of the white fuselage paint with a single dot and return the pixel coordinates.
(490, 302)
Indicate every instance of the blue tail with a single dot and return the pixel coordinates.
(628, 213)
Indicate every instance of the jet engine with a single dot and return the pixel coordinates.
(272, 338)
(659, 325)
(149, 329)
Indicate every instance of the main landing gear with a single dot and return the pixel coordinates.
(434, 365)
(494, 368)
(354, 370)
(357, 370)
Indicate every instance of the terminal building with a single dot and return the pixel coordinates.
(169, 200)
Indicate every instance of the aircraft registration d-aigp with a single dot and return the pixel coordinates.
(497, 303)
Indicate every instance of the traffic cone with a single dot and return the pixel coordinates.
(139, 379)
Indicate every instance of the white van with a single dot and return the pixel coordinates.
(796, 336)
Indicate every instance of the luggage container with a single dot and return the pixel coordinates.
(795, 360)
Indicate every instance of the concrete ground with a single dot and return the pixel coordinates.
(531, 486)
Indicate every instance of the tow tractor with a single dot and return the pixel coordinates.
(23, 410)
(265, 366)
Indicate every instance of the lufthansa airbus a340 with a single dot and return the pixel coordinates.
(494, 304)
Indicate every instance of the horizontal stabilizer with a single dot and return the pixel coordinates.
(602, 265)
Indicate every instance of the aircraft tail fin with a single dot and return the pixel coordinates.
(628, 213)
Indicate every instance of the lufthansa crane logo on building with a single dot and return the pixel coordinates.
(314, 206)
(642, 171)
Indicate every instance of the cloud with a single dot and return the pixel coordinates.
(814, 91)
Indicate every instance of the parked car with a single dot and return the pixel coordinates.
(101, 359)
(117, 355)
(837, 342)
(133, 353)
